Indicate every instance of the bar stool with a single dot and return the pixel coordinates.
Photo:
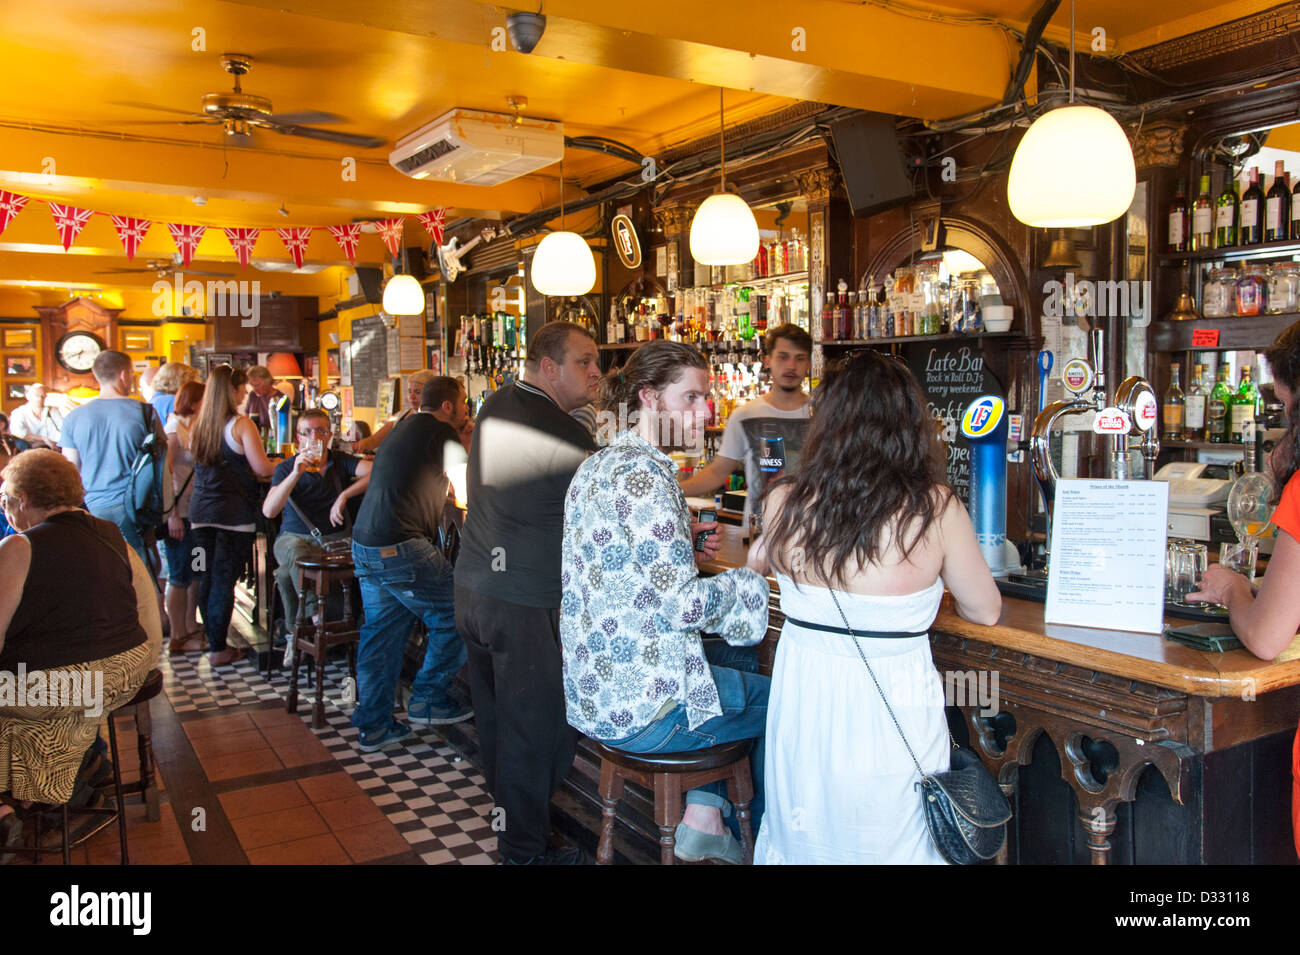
(138, 707)
(670, 775)
(317, 635)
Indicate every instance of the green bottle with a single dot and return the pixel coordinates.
(1217, 420)
(1245, 410)
(1227, 214)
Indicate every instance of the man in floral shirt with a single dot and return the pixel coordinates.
(633, 603)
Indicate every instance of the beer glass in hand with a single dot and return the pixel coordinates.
(311, 447)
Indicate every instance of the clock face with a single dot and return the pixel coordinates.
(329, 400)
(77, 351)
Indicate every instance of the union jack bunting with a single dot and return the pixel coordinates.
(433, 221)
(10, 205)
(69, 220)
(131, 231)
(295, 240)
(242, 242)
(391, 230)
(347, 236)
(186, 238)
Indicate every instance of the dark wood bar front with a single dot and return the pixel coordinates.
(1113, 747)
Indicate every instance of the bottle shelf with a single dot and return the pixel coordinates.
(1234, 253)
(786, 278)
(1206, 445)
(620, 346)
(1235, 333)
(949, 336)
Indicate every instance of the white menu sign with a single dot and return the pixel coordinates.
(1107, 564)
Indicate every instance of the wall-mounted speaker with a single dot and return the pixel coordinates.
(871, 162)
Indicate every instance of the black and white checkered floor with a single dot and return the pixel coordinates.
(431, 793)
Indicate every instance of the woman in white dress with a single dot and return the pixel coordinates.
(866, 521)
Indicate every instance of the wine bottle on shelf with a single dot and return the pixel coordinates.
(1173, 408)
(1203, 218)
(1194, 406)
(1178, 219)
(1252, 212)
(1277, 215)
(1226, 215)
(1217, 421)
(1295, 210)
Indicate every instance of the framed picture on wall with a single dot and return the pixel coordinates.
(345, 363)
(15, 392)
(137, 341)
(20, 366)
(20, 338)
(332, 363)
(434, 359)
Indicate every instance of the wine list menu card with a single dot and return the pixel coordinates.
(1107, 566)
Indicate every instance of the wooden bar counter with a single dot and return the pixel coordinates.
(1113, 747)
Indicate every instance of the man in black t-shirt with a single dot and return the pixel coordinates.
(526, 447)
(310, 501)
(403, 574)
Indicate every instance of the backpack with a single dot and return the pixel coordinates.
(143, 498)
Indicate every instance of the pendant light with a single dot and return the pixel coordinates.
(563, 264)
(403, 296)
(1073, 168)
(724, 231)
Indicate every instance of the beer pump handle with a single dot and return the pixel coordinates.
(1099, 367)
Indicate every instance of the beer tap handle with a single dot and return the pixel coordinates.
(1099, 368)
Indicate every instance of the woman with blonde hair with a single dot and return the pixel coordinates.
(167, 384)
(414, 385)
(229, 461)
(96, 630)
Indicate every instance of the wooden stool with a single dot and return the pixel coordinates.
(138, 707)
(670, 775)
(317, 635)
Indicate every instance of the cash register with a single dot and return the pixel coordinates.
(1197, 493)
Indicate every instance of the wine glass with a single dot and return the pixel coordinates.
(1250, 506)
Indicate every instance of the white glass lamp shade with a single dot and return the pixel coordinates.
(724, 231)
(563, 265)
(403, 296)
(1073, 168)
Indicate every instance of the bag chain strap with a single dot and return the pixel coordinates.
(872, 672)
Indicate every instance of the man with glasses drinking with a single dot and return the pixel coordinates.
(312, 489)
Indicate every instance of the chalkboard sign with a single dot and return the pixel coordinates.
(369, 359)
(952, 375)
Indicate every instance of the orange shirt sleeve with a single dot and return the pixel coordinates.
(1287, 515)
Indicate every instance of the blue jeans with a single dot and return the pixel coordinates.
(401, 584)
(743, 697)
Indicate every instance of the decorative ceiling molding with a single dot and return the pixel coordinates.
(818, 184)
(1159, 144)
(674, 219)
(1219, 40)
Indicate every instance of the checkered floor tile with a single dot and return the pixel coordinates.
(433, 795)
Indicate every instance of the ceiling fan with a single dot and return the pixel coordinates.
(239, 113)
(162, 268)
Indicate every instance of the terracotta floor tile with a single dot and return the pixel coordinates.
(139, 851)
(216, 725)
(266, 829)
(240, 764)
(302, 754)
(288, 734)
(266, 719)
(315, 850)
(329, 787)
(253, 802)
(354, 811)
(225, 744)
(372, 841)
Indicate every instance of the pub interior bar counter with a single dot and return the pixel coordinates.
(1113, 747)
(1074, 223)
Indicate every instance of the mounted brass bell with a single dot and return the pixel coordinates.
(1061, 255)
(1185, 307)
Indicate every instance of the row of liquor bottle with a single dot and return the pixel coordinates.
(1211, 412)
(1234, 220)
(787, 254)
(491, 343)
(917, 300)
(707, 315)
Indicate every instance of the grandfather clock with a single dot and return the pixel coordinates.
(74, 335)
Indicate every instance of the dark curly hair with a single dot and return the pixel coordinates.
(869, 474)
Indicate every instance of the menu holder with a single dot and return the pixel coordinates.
(1107, 564)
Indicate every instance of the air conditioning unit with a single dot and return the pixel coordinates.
(478, 148)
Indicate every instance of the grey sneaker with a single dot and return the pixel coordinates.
(695, 846)
(424, 713)
(393, 733)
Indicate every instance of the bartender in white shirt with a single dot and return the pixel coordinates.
(33, 422)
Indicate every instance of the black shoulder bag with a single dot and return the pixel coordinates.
(965, 810)
(336, 542)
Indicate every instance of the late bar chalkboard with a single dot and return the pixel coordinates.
(369, 359)
(952, 375)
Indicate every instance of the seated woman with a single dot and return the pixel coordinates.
(868, 515)
(94, 634)
(633, 602)
(1267, 621)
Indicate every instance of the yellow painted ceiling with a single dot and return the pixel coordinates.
(71, 72)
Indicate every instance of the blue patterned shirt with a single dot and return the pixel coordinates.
(633, 600)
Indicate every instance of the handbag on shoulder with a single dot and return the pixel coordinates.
(965, 811)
